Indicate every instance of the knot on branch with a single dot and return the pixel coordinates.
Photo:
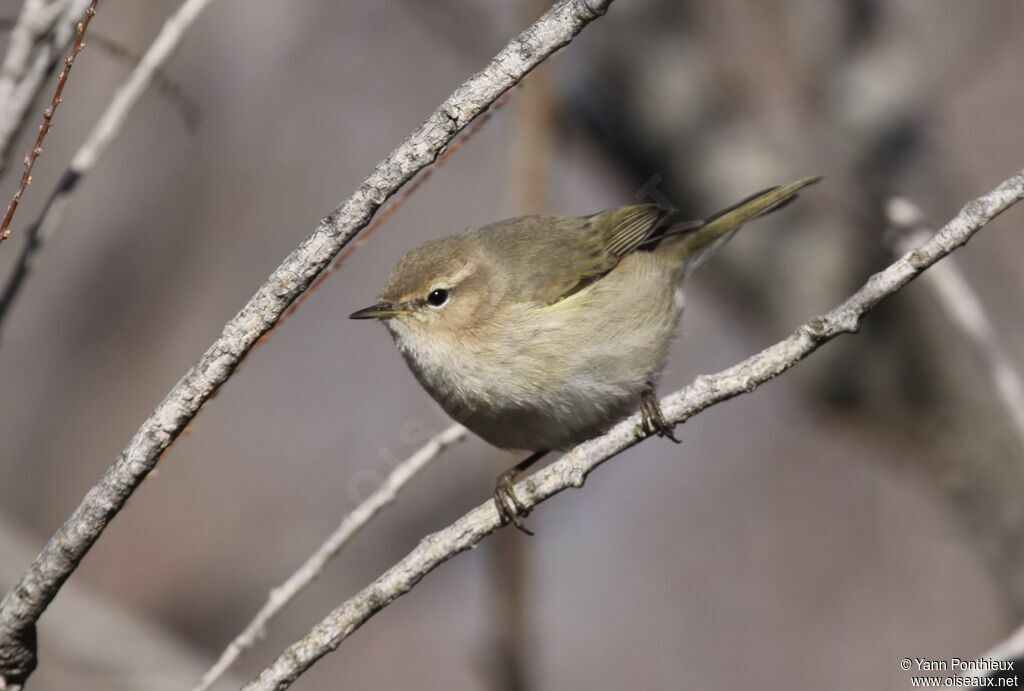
(577, 475)
(448, 119)
(974, 209)
(816, 329)
(708, 383)
(17, 656)
(919, 260)
(821, 329)
(593, 8)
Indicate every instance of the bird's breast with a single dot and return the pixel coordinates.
(549, 377)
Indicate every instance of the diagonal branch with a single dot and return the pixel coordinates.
(311, 569)
(25, 603)
(573, 468)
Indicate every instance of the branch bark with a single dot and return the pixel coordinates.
(311, 569)
(572, 469)
(25, 603)
(42, 33)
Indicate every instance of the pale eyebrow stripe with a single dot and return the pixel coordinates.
(451, 283)
(459, 275)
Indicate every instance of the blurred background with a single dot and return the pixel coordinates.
(863, 508)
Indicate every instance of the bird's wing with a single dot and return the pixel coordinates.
(621, 231)
(549, 258)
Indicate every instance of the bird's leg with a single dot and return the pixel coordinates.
(509, 507)
(652, 420)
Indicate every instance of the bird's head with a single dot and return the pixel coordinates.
(441, 288)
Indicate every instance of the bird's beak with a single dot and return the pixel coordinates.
(383, 310)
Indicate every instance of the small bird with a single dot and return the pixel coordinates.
(540, 332)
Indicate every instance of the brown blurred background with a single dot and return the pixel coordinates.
(863, 508)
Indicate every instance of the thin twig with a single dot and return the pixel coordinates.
(311, 569)
(48, 113)
(572, 469)
(963, 307)
(25, 603)
(106, 128)
(43, 30)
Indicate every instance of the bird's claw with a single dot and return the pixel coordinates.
(510, 509)
(652, 420)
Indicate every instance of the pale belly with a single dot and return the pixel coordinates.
(551, 378)
(556, 424)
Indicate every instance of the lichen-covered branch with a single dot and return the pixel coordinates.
(25, 603)
(311, 569)
(572, 469)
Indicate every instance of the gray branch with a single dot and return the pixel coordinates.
(25, 603)
(41, 35)
(572, 469)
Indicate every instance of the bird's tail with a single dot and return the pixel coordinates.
(692, 245)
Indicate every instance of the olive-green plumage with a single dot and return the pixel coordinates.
(542, 331)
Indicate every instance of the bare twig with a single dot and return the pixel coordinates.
(965, 310)
(48, 113)
(318, 561)
(25, 603)
(573, 468)
(44, 29)
(106, 128)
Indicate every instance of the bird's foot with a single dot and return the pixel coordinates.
(652, 420)
(510, 509)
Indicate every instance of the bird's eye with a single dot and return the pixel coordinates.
(437, 297)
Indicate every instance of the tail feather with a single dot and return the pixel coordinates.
(693, 245)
